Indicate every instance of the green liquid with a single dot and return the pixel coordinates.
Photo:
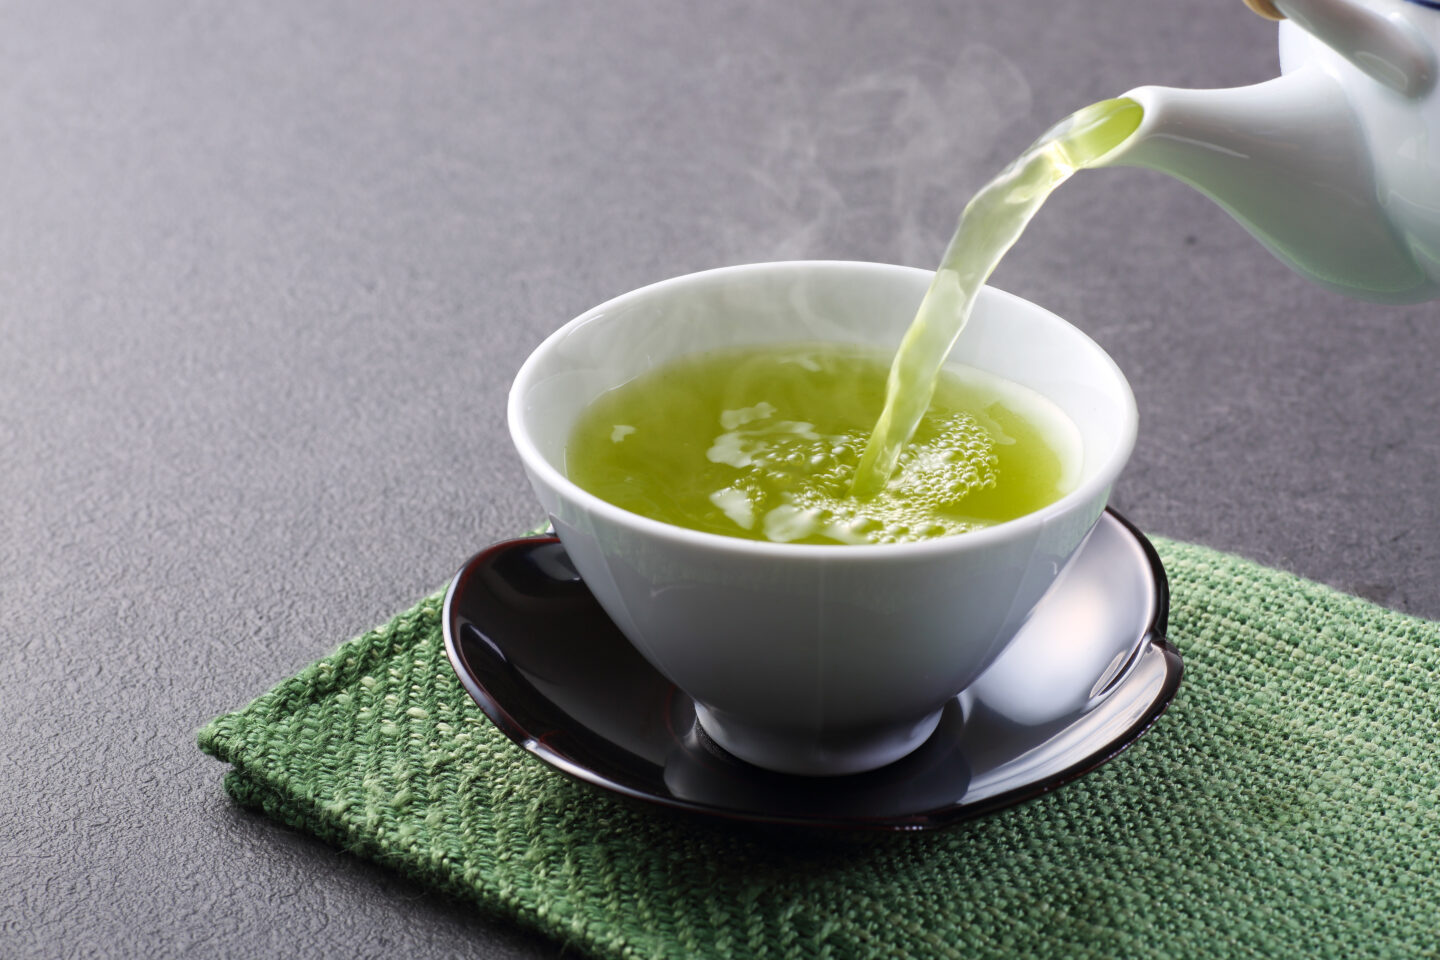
(764, 443)
(991, 223)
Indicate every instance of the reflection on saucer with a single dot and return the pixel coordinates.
(934, 776)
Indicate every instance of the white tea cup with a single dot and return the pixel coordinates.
(813, 659)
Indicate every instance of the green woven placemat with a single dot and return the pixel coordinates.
(1285, 806)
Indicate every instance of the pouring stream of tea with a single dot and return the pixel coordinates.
(991, 223)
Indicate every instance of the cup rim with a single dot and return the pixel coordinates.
(540, 466)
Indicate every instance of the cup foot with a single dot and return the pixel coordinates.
(818, 755)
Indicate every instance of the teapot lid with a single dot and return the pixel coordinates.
(1268, 10)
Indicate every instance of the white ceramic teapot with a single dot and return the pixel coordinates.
(1335, 165)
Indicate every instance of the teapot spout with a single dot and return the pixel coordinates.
(1288, 160)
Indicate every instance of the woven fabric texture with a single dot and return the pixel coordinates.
(1288, 804)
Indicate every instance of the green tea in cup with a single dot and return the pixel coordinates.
(811, 658)
(764, 442)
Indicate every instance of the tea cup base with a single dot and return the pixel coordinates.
(824, 754)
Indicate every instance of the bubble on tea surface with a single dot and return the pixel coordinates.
(796, 481)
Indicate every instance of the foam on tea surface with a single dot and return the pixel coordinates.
(991, 223)
(764, 443)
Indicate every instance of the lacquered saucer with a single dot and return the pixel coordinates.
(1086, 676)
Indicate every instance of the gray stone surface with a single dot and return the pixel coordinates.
(266, 270)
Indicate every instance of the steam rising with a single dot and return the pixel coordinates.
(881, 167)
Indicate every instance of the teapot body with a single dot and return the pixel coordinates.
(1334, 166)
(1400, 131)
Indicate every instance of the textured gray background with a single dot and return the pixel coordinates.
(266, 269)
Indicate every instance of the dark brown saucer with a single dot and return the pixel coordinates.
(1086, 676)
